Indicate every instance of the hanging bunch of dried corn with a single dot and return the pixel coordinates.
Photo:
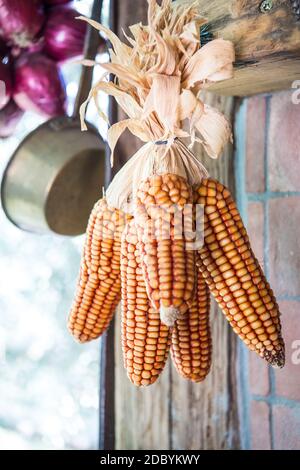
(163, 266)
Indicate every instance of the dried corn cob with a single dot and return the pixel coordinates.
(145, 340)
(169, 268)
(235, 277)
(191, 340)
(99, 285)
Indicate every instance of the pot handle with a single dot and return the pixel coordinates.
(92, 41)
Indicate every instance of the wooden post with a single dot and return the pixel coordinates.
(107, 351)
(142, 415)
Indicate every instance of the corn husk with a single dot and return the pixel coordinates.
(152, 159)
(159, 73)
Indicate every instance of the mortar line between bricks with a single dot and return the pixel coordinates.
(266, 252)
(291, 298)
(277, 400)
(242, 202)
(263, 197)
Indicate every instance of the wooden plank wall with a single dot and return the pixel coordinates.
(173, 413)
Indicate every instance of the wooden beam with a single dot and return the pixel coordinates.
(266, 35)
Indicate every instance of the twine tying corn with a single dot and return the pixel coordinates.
(165, 293)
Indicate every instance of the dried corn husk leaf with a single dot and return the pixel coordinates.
(160, 73)
(213, 129)
(213, 62)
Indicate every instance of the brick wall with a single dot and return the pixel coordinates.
(268, 192)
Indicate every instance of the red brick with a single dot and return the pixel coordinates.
(288, 378)
(284, 143)
(255, 227)
(258, 375)
(286, 427)
(284, 252)
(255, 144)
(260, 426)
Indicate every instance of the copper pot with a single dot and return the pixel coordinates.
(57, 172)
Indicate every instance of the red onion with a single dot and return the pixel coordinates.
(64, 34)
(39, 86)
(9, 119)
(5, 76)
(20, 21)
(37, 46)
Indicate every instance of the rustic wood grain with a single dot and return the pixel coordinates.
(267, 44)
(266, 77)
(142, 415)
(129, 13)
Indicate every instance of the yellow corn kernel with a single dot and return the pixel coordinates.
(248, 301)
(191, 346)
(160, 216)
(145, 339)
(99, 285)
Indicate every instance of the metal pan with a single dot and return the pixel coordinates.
(57, 173)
